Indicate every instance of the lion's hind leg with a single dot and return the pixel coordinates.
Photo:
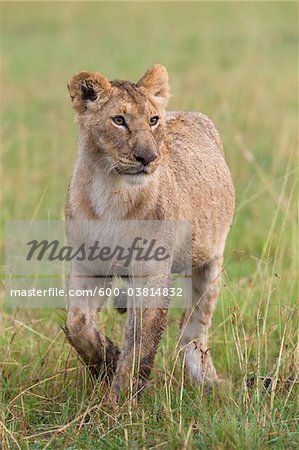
(197, 321)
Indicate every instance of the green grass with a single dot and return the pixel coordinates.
(237, 63)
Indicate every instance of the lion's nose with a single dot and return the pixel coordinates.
(145, 155)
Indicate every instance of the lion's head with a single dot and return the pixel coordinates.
(122, 122)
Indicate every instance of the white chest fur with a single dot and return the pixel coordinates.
(112, 197)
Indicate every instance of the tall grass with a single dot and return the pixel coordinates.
(236, 62)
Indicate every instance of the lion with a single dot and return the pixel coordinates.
(138, 162)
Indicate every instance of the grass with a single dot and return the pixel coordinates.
(236, 62)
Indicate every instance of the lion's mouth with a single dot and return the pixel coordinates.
(140, 172)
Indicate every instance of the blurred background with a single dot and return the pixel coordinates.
(237, 63)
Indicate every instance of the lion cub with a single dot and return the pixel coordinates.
(138, 162)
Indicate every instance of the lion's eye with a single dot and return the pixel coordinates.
(153, 121)
(119, 120)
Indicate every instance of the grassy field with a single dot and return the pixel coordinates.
(237, 63)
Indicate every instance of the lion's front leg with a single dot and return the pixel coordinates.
(144, 328)
(96, 350)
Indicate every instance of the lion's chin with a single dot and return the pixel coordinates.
(136, 179)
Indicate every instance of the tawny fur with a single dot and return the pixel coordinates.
(187, 179)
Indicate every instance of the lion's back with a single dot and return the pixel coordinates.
(206, 192)
(194, 130)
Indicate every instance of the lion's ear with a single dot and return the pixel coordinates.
(155, 82)
(87, 87)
